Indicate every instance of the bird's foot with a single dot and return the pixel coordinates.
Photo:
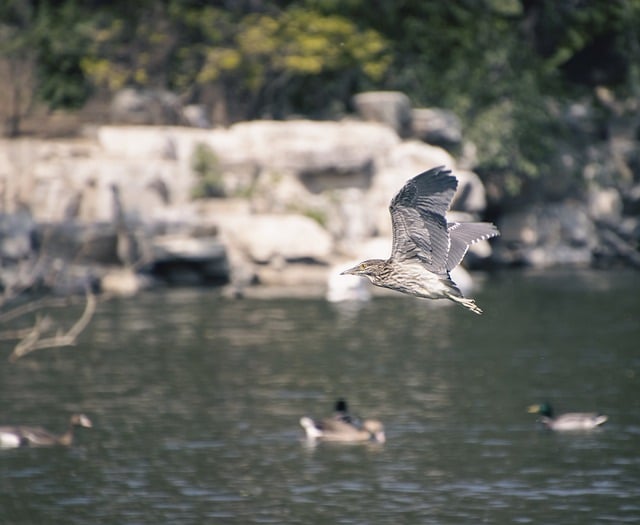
(467, 303)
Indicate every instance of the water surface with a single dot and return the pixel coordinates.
(195, 400)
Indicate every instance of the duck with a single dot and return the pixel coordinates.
(568, 421)
(342, 427)
(26, 436)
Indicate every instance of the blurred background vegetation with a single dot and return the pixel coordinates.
(510, 69)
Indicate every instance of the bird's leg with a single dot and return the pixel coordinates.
(467, 303)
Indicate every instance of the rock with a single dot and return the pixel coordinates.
(581, 118)
(17, 236)
(470, 196)
(16, 277)
(288, 237)
(304, 146)
(351, 220)
(172, 246)
(68, 278)
(392, 108)
(181, 258)
(615, 246)
(467, 158)
(631, 200)
(546, 235)
(279, 192)
(137, 142)
(413, 157)
(86, 244)
(124, 282)
(153, 166)
(58, 187)
(145, 106)
(605, 204)
(440, 127)
(195, 115)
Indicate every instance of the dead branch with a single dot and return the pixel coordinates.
(35, 305)
(33, 340)
(40, 268)
(11, 335)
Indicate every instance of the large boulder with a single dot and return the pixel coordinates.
(145, 106)
(470, 196)
(440, 127)
(305, 146)
(270, 237)
(139, 142)
(413, 157)
(391, 108)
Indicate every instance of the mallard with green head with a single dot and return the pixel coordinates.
(568, 421)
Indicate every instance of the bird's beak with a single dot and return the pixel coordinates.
(533, 409)
(350, 271)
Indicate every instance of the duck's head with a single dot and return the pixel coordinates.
(341, 406)
(80, 420)
(544, 409)
(375, 428)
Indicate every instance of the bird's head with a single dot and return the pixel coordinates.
(341, 406)
(369, 268)
(80, 420)
(544, 409)
(376, 429)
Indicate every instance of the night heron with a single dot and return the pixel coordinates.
(425, 246)
(568, 421)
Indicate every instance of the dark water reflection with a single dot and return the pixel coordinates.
(196, 399)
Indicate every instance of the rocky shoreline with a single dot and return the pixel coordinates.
(264, 202)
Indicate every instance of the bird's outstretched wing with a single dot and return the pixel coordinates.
(462, 235)
(420, 229)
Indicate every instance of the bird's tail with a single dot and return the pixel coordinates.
(600, 419)
(310, 428)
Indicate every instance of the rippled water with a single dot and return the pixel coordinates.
(196, 398)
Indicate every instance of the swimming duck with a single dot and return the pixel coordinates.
(568, 421)
(25, 436)
(343, 427)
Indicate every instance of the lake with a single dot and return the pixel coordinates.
(195, 400)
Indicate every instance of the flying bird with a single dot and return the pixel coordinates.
(426, 247)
